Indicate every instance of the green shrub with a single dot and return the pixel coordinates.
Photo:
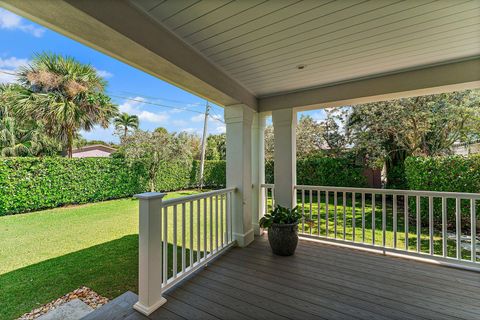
(324, 171)
(29, 184)
(448, 173)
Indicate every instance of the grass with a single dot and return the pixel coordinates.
(346, 227)
(49, 253)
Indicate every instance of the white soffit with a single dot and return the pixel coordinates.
(261, 43)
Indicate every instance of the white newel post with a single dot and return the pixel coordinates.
(150, 253)
(285, 171)
(258, 169)
(238, 119)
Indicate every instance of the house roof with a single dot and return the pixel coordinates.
(95, 147)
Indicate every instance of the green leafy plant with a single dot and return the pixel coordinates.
(280, 215)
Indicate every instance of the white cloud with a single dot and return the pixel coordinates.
(10, 21)
(13, 62)
(8, 66)
(179, 123)
(133, 106)
(221, 129)
(104, 73)
(198, 118)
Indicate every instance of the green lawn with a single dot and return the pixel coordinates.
(49, 253)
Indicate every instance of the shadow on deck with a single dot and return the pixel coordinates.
(320, 282)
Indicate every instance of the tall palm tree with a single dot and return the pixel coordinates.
(125, 121)
(64, 95)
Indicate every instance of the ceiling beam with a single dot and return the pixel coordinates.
(449, 77)
(118, 29)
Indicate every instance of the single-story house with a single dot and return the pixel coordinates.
(96, 150)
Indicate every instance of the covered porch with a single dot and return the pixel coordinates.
(261, 59)
(321, 281)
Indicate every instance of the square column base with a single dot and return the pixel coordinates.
(150, 309)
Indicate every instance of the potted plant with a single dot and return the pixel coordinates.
(282, 225)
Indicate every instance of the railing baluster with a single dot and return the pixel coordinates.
(204, 228)
(199, 241)
(319, 196)
(430, 224)
(303, 211)
(444, 227)
(458, 214)
(184, 251)
(344, 203)
(353, 216)
(335, 214)
(363, 217)
(227, 218)
(273, 198)
(222, 201)
(326, 213)
(373, 218)
(216, 223)
(311, 221)
(384, 219)
(473, 230)
(394, 221)
(211, 225)
(174, 254)
(192, 250)
(165, 245)
(419, 224)
(405, 212)
(266, 201)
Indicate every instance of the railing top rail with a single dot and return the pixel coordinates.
(394, 191)
(267, 185)
(199, 196)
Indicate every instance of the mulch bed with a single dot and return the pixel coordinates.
(87, 295)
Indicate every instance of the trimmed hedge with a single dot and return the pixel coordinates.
(325, 171)
(449, 173)
(29, 184)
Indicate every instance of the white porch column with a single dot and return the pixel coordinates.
(258, 169)
(150, 253)
(238, 119)
(285, 175)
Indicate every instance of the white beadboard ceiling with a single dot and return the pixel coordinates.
(261, 43)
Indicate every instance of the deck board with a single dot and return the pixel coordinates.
(320, 281)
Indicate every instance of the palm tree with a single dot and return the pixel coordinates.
(125, 121)
(64, 95)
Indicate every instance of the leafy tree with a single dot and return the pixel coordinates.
(422, 126)
(310, 138)
(22, 138)
(64, 95)
(216, 147)
(153, 149)
(125, 121)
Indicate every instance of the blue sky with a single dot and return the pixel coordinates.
(133, 90)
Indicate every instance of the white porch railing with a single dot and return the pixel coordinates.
(391, 221)
(177, 237)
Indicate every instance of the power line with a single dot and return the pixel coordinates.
(164, 106)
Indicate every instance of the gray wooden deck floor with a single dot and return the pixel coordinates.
(319, 282)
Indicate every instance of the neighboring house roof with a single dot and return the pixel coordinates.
(96, 150)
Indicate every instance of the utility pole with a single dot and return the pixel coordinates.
(204, 144)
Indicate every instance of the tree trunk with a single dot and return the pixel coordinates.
(70, 144)
(125, 132)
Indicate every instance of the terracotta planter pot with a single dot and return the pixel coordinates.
(283, 238)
